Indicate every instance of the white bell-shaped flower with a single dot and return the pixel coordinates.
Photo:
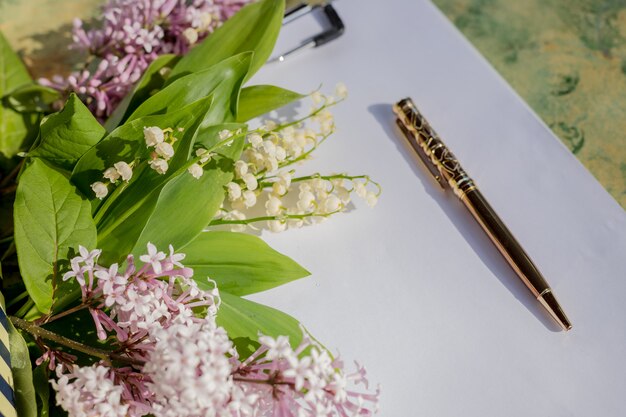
(234, 191)
(195, 170)
(165, 150)
(111, 174)
(159, 165)
(100, 189)
(153, 135)
(125, 170)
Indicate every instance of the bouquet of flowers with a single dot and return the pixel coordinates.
(122, 292)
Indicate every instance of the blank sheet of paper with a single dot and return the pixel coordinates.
(413, 288)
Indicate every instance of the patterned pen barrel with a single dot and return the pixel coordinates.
(447, 170)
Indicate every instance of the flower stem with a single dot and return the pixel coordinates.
(312, 114)
(107, 203)
(265, 184)
(305, 155)
(225, 142)
(66, 313)
(6, 180)
(39, 332)
(8, 189)
(282, 217)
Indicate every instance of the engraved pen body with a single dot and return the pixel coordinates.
(447, 170)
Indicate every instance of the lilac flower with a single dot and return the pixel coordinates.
(190, 370)
(153, 257)
(89, 391)
(55, 358)
(86, 256)
(137, 300)
(173, 360)
(174, 259)
(304, 385)
(131, 35)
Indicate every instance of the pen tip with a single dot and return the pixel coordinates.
(556, 311)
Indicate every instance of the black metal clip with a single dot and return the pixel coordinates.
(335, 30)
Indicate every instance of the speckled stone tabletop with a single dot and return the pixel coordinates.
(566, 58)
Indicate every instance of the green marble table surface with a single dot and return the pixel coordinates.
(566, 58)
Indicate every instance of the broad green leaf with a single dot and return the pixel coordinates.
(184, 207)
(151, 81)
(255, 28)
(42, 389)
(222, 80)
(239, 263)
(15, 129)
(257, 100)
(67, 135)
(25, 401)
(51, 220)
(31, 98)
(244, 320)
(195, 201)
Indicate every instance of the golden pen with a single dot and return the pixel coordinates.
(447, 170)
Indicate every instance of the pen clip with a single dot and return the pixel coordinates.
(335, 28)
(412, 137)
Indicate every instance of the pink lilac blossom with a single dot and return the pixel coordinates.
(190, 370)
(89, 391)
(131, 35)
(173, 360)
(132, 301)
(54, 357)
(296, 383)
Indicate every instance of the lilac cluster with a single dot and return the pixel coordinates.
(132, 35)
(303, 382)
(173, 360)
(131, 302)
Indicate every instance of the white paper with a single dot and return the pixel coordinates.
(413, 288)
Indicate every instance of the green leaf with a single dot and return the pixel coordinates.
(67, 135)
(244, 320)
(42, 389)
(184, 207)
(239, 263)
(222, 80)
(15, 129)
(31, 98)
(51, 220)
(195, 201)
(151, 81)
(257, 100)
(255, 28)
(25, 401)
